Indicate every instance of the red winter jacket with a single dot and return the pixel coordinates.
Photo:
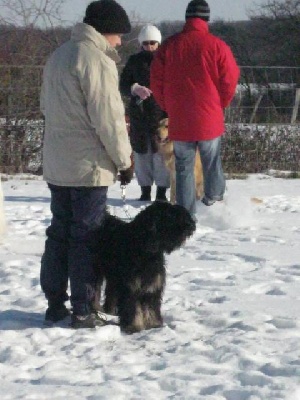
(193, 78)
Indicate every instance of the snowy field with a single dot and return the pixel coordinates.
(231, 307)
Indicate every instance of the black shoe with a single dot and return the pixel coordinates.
(87, 321)
(56, 313)
(146, 193)
(161, 194)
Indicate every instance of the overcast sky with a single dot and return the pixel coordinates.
(157, 10)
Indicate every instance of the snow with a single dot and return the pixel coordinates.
(231, 306)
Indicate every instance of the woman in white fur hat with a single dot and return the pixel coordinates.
(145, 115)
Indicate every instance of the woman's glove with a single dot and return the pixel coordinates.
(141, 91)
(125, 176)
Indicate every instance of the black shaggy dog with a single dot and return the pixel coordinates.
(132, 262)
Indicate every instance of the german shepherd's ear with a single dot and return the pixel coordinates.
(164, 123)
(162, 131)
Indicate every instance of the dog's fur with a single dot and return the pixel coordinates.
(132, 262)
(165, 147)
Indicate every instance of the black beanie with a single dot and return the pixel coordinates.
(107, 16)
(198, 9)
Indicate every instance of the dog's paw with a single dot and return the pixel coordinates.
(155, 325)
(130, 329)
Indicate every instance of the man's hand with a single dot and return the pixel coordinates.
(125, 176)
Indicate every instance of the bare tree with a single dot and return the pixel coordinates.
(27, 23)
(277, 9)
(29, 31)
(31, 13)
(280, 33)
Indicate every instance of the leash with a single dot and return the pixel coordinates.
(123, 197)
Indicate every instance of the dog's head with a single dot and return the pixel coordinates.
(162, 133)
(163, 227)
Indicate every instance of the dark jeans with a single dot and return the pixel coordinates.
(77, 212)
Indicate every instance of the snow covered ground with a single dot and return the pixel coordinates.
(231, 307)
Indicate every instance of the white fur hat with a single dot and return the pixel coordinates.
(149, 32)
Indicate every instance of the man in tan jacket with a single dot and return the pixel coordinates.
(85, 145)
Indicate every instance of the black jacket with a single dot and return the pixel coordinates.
(144, 118)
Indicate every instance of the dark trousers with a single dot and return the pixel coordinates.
(70, 246)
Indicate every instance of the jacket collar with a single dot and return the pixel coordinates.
(84, 32)
(195, 24)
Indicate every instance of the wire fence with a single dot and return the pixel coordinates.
(262, 123)
(266, 95)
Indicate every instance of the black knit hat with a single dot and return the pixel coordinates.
(107, 16)
(198, 9)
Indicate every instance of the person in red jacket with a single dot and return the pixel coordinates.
(193, 78)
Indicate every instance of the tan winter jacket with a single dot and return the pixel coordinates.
(86, 139)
